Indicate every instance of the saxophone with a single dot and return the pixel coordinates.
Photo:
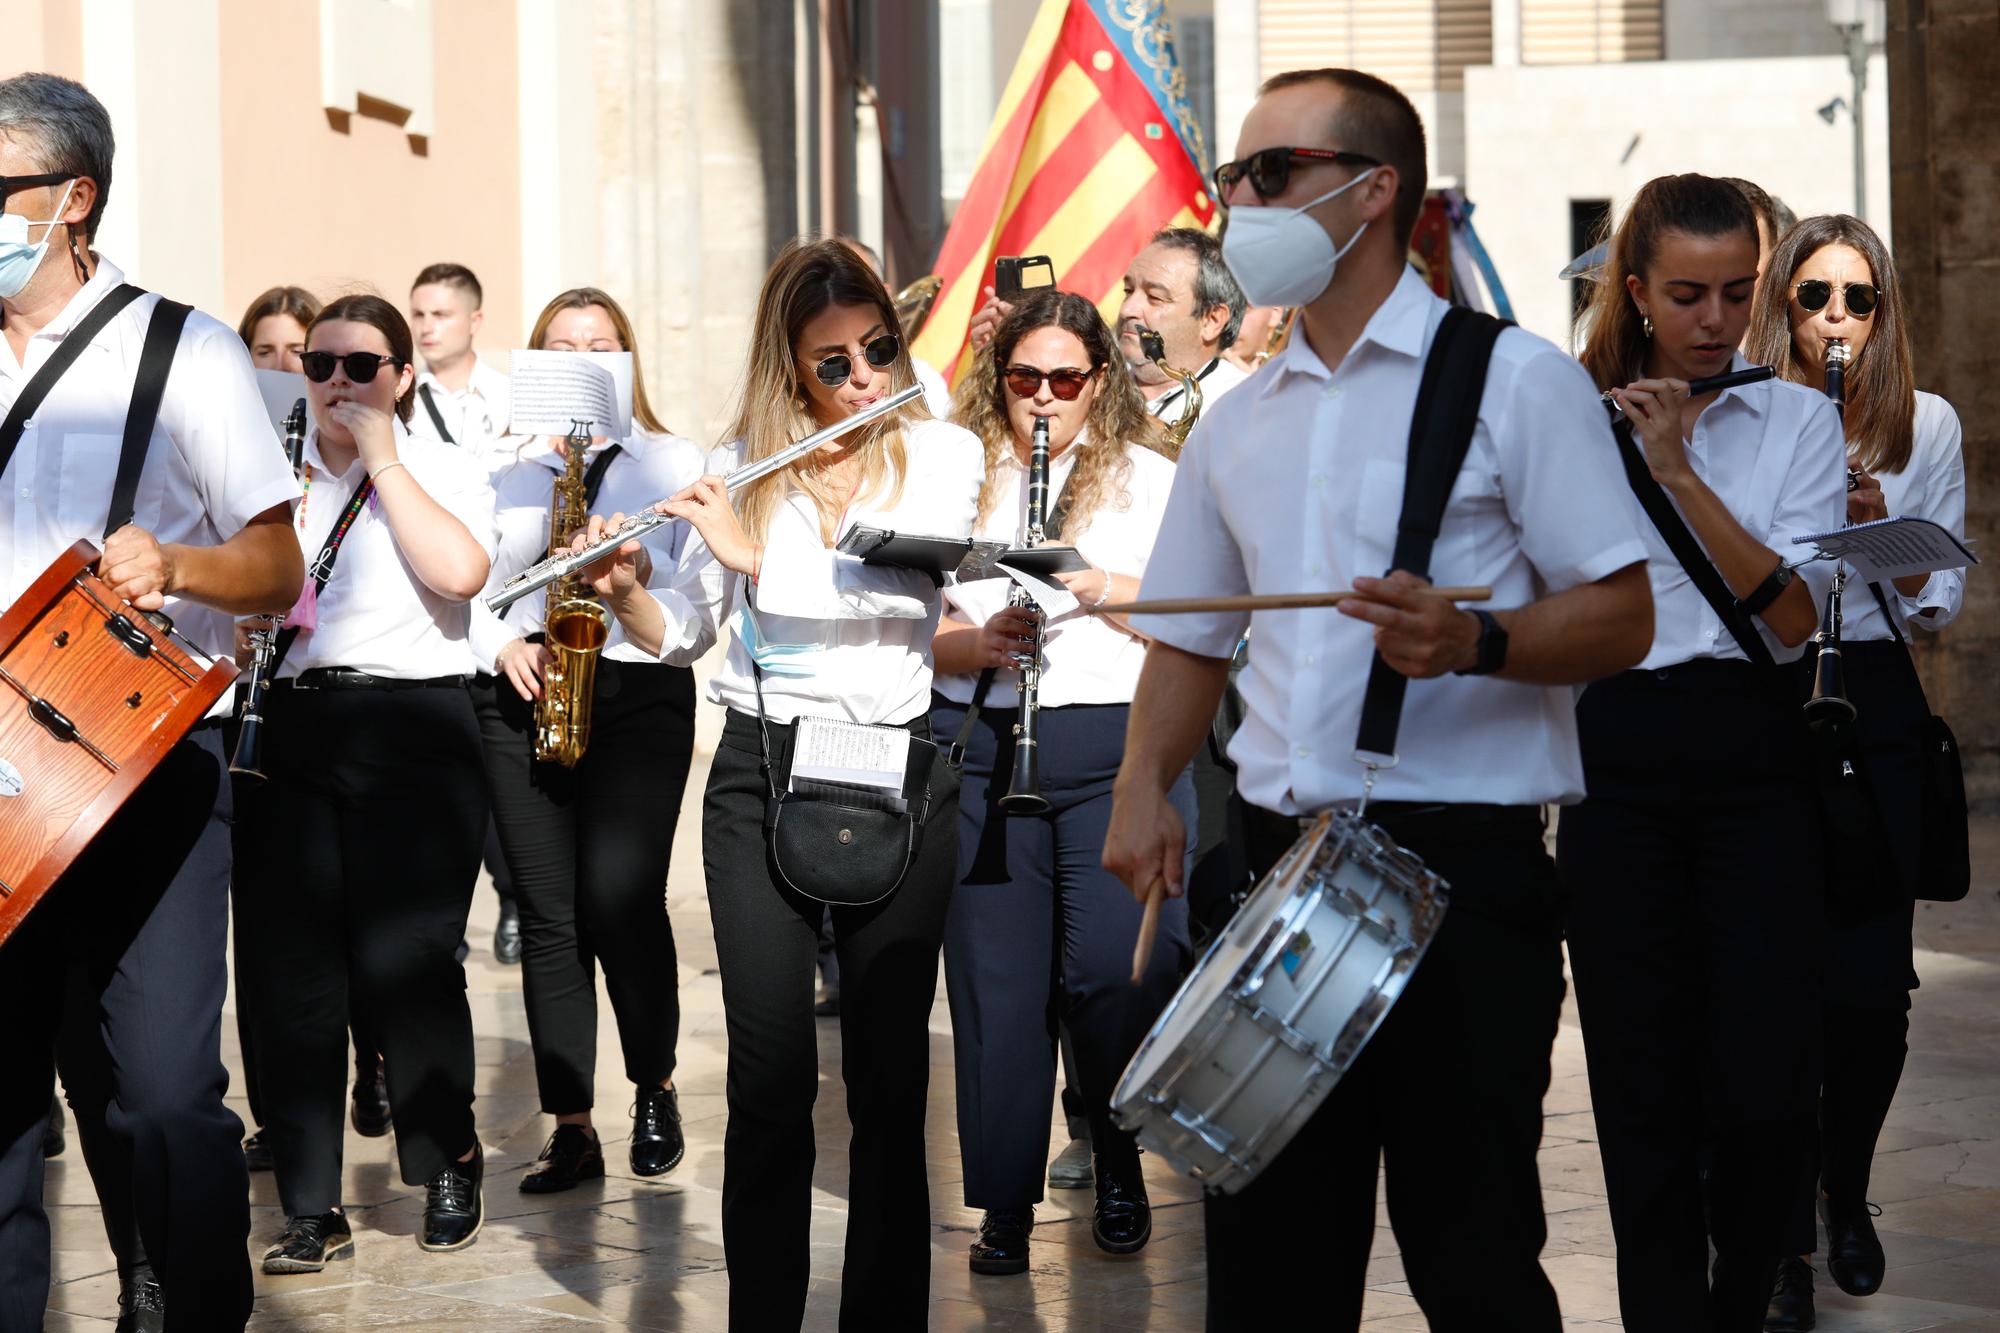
(574, 627)
(1155, 350)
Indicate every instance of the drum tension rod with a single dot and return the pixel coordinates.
(55, 721)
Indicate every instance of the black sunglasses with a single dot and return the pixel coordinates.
(1270, 170)
(1026, 381)
(360, 366)
(1861, 297)
(880, 354)
(9, 184)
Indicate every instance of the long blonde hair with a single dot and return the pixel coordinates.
(1118, 414)
(582, 298)
(809, 277)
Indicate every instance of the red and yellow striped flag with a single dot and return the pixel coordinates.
(1094, 148)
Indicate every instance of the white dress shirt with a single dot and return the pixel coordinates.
(1218, 377)
(476, 415)
(375, 614)
(1931, 485)
(1086, 659)
(646, 468)
(213, 462)
(1773, 454)
(859, 634)
(1295, 484)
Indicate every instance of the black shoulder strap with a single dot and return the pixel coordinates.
(66, 353)
(437, 417)
(1686, 549)
(593, 476)
(1887, 615)
(156, 361)
(1441, 429)
(321, 569)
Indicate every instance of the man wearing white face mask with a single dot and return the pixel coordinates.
(118, 976)
(1296, 482)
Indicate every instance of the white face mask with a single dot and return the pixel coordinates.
(19, 259)
(1279, 255)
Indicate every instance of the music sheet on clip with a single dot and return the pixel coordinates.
(1892, 548)
(829, 750)
(549, 391)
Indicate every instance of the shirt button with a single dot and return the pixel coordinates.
(1312, 568)
(1319, 480)
(1305, 752)
(1312, 659)
(27, 494)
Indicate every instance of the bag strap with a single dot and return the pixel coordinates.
(593, 476)
(80, 336)
(1441, 430)
(437, 417)
(156, 362)
(322, 566)
(1883, 602)
(1686, 550)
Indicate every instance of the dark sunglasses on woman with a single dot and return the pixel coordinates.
(1026, 381)
(880, 354)
(1270, 171)
(360, 366)
(1814, 293)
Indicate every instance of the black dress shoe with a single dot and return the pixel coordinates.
(571, 1154)
(828, 1004)
(371, 1114)
(53, 1138)
(657, 1145)
(142, 1307)
(507, 935)
(257, 1153)
(1854, 1256)
(310, 1244)
(455, 1204)
(1001, 1248)
(1791, 1308)
(1123, 1220)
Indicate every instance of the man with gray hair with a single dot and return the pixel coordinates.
(119, 976)
(1179, 286)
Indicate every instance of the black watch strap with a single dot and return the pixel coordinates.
(1767, 592)
(1492, 651)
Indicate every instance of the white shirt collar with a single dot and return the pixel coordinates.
(1398, 325)
(480, 381)
(103, 279)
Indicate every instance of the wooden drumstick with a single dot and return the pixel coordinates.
(1273, 601)
(1149, 929)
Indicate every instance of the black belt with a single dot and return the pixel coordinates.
(1462, 815)
(346, 678)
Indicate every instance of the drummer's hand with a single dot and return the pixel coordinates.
(137, 568)
(523, 663)
(1146, 841)
(1418, 635)
(618, 575)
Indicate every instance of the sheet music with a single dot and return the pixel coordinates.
(550, 390)
(1054, 599)
(1892, 548)
(829, 750)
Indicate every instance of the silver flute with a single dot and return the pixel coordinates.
(538, 576)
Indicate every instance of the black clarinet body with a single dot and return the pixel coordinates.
(1024, 786)
(1828, 701)
(249, 757)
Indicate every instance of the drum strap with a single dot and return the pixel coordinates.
(1441, 428)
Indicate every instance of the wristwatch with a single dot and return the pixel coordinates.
(1767, 592)
(1492, 652)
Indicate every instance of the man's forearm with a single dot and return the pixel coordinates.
(1172, 711)
(258, 571)
(1583, 633)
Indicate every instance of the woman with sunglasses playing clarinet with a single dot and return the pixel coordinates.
(822, 641)
(1033, 900)
(356, 859)
(1831, 280)
(589, 843)
(1692, 867)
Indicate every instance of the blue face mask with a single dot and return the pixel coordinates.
(19, 259)
(776, 659)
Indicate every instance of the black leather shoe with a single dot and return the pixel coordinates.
(53, 1138)
(257, 1153)
(1001, 1248)
(371, 1114)
(309, 1244)
(828, 1004)
(657, 1145)
(1123, 1220)
(571, 1154)
(507, 935)
(455, 1204)
(1854, 1258)
(1791, 1308)
(142, 1307)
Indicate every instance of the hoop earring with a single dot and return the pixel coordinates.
(1646, 323)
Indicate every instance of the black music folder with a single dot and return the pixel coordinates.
(967, 557)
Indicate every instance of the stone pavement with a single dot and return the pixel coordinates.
(647, 1255)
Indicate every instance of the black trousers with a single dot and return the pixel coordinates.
(589, 848)
(1446, 1098)
(119, 976)
(1034, 904)
(1693, 881)
(765, 937)
(356, 864)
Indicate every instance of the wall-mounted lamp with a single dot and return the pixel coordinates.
(1832, 109)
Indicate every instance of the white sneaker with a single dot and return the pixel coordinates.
(1071, 1169)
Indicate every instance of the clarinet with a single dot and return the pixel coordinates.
(1828, 701)
(249, 757)
(1024, 789)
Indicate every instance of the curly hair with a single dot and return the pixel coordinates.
(1118, 414)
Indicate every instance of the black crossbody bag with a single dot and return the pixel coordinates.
(1944, 873)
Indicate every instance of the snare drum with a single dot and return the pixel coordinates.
(1282, 1003)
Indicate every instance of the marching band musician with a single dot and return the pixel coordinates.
(589, 845)
(1293, 483)
(119, 974)
(1692, 869)
(274, 327)
(1025, 883)
(1179, 287)
(369, 825)
(819, 635)
(1832, 279)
